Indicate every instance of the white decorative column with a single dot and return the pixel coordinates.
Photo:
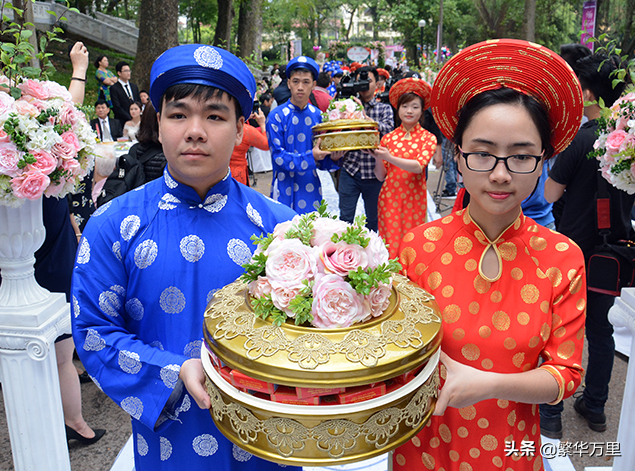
(623, 314)
(31, 318)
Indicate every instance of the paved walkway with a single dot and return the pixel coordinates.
(101, 412)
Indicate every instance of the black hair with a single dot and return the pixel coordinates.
(407, 98)
(198, 92)
(120, 65)
(138, 103)
(595, 74)
(149, 126)
(324, 79)
(264, 97)
(282, 72)
(369, 69)
(98, 60)
(506, 96)
(101, 101)
(143, 91)
(300, 69)
(574, 52)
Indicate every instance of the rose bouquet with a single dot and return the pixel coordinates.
(615, 145)
(343, 109)
(46, 145)
(319, 270)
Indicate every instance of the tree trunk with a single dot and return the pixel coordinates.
(530, 20)
(350, 24)
(250, 29)
(158, 32)
(222, 37)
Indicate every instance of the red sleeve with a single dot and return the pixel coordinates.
(255, 137)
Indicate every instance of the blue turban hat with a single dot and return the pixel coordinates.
(305, 63)
(203, 65)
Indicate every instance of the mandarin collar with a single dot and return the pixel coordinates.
(297, 108)
(413, 132)
(510, 232)
(176, 193)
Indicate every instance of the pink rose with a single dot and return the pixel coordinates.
(351, 106)
(4, 137)
(291, 262)
(614, 141)
(70, 138)
(34, 88)
(378, 299)
(55, 90)
(260, 287)
(282, 296)
(333, 115)
(324, 228)
(68, 115)
(9, 157)
(46, 163)
(4, 80)
(628, 143)
(39, 104)
(6, 102)
(376, 250)
(72, 166)
(341, 258)
(335, 303)
(281, 229)
(31, 185)
(23, 107)
(56, 189)
(64, 150)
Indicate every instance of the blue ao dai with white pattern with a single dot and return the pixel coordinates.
(147, 265)
(295, 180)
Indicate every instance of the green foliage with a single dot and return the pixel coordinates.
(263, 241)
(263, 307)
(303, 230)
(355, 234)
(322, 211)
(11, 128)
(302, 304)
(255, 268)
(365, 280)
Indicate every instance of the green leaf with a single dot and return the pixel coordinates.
(52, 13)
(255, 268)
(16, 93)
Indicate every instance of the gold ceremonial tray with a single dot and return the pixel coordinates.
(405, 337)
(400, 340)
(347, 134)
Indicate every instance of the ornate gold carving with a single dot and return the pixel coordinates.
(334, 437)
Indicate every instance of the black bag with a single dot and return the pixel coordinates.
(611, 267)
(129, 173)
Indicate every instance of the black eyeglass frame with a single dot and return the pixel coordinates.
(537, 158)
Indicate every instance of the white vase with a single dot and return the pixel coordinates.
(21, 234)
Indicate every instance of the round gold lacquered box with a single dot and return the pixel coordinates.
(406, 337)
(347, 134)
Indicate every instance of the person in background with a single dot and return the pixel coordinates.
(107, 128)
(159, 253)
(252, 137)
(131, 128)
(144, 97)
(336, 75)
(322, 97)
(282, 93)
(123, 93)
(401, 162)
(577, 175)
(105, 78)
(295, 161)
(383, 77)
(266, 101)
(358, 169)
(511, 292)
(105, 162)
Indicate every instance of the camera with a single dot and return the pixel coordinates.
(349, 87)
(256, 107)
(384, 96)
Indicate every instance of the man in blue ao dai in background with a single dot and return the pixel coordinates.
(150, 261)
(295, 161)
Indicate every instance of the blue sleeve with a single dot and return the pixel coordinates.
(287, 161)
(328, 165)
(139, 377)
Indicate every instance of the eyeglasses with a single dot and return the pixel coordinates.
(486, 162)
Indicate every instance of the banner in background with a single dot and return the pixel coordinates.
(589, 14)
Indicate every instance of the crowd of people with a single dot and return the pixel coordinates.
(511, 289)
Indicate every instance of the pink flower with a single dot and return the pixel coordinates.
(72, 166)
(64, 150)
(291, 262)
(282, 296)
(70, 138)
(260, 287)
(9, 157)
(281, 229)
(6, 102)
(68, 115)
(325, 228)
(614, 141)
(4, 80)
(628, 143)
(55, 189)
(55, 90)
(341, 258)
(46, 163)
(376, 250)
(31, 185)
(23, 107)
(34, 88)
(39, 104)
(333, 115)
(4, 137)
(378, 299)
(335, 303)
(351, 106)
